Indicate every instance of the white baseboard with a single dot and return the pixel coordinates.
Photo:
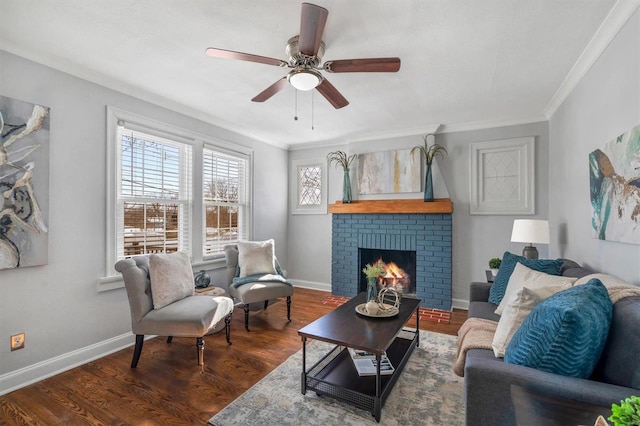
(311, 284)
(460, 304)
(455, 303)
(17, 379)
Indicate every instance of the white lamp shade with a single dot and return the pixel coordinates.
(530, 231)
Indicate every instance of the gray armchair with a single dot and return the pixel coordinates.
(191, 316)
(255, 295)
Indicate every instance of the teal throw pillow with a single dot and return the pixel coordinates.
(509, 261)
(564, 334)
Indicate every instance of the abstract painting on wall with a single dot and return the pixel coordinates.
(24, 183)
(388, 172)
(614, 173)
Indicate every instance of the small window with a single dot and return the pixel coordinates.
(309, 181)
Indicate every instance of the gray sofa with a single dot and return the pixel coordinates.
(497, 393)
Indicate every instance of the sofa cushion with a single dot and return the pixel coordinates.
(256, 257)
(509, 260)
(519, 308)
(619, 362)
(171, 278)
(564, 334)
(522, 276)
(486, 310)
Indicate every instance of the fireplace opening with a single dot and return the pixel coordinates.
(399, 266)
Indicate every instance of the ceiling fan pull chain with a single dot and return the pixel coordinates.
(312, 105)
(295, 116)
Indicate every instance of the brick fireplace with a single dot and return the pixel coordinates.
(403, 225)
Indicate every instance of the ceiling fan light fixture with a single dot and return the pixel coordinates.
(304, 79)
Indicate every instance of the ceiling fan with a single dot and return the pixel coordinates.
(305, 52)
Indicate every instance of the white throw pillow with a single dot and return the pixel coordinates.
(522, 276)
(256, 257)
(171, 278)
(517, 309)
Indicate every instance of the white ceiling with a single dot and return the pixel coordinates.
(465, 63)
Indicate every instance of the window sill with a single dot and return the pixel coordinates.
(114, 282)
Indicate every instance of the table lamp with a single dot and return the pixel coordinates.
(530, 231)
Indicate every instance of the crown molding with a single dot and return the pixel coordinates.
(434, 128)
(482, 125)
(130, 90)
(618, 16)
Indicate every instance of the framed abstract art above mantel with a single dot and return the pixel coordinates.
(502, 177)
(24, 183)
(614, 178)
(389, 172)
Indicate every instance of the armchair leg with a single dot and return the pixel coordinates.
(138, 350)
(289, 308)
(227, 327)
(246, 316)
(200, 346)
(169, 339)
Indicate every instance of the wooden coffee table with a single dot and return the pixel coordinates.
(336, 376)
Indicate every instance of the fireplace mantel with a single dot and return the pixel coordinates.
(417, 205)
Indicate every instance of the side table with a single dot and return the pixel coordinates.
(211, 291)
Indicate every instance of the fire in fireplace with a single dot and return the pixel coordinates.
(399, 266)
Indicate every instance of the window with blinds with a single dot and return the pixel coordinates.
(154, 194)
(225, 192)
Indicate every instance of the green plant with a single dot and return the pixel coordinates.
(341, 158)
(494, 263)
(430, 152)
(627, 413)
(375, 270)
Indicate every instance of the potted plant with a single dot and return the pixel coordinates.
(627, 413)
(344, 161)
(429, 153)
(494, 265)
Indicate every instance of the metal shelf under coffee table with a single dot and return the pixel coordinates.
(335, 375)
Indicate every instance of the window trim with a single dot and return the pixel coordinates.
(296, 208)
(111, 279)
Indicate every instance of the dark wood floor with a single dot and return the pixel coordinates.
(168, 387)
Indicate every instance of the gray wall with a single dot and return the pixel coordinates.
(475, 238)
(603, 105)
(57, 305)
(310, 235)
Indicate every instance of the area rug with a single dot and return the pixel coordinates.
(427, 393)
(426, 314)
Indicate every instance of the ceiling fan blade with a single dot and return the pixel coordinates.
(312, 22)
(363, 65)
(334, 97)
(230, 54)
(271, 90)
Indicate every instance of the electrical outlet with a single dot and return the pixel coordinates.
(17, 341)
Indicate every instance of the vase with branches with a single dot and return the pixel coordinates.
(340, 158)
(429, 153)
(372, 272)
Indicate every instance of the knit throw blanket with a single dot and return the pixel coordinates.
(477, 333)
(260, 278)
(618, 292)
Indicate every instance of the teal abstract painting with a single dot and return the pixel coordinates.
(614, 173)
